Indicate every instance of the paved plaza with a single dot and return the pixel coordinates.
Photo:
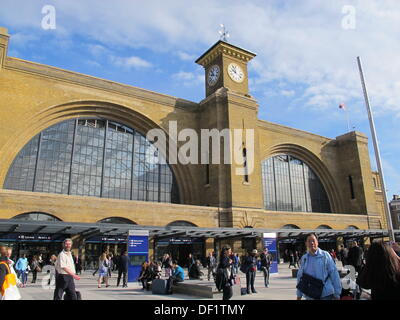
(282, 287)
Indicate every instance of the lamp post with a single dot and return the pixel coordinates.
(377, 153)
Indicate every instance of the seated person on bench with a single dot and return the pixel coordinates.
(195, 272)
(155, 270)
(178, 275)
(145, 276)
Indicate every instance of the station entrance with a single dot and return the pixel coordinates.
(180, 248)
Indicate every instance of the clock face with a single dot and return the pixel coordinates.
(235, 72)
(213, 75)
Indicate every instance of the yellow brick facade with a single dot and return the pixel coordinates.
(34, 97)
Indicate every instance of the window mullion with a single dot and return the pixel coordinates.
(37, 160)
(104, 160)
(72, 155)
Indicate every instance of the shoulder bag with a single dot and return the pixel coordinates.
(311, 286)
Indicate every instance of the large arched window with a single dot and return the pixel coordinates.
(93, 157)
(290, 185)
(36, 216)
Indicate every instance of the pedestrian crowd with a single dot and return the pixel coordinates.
(375, 268)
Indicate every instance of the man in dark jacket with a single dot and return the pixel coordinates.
(343, 255)
(266, 259)
(123, 264)
(190, 261)
(355, 256)
(250, 263)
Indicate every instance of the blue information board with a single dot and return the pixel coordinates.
(270, 244)
(138, 252)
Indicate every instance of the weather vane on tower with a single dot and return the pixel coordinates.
(224, 34)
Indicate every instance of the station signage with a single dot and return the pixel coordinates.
(138, 252)
(269, 240)
(34, 237)
(105, 239)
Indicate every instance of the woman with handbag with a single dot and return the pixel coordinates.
(224, 278)
(103, 270)
(35, 267)
(317, 278)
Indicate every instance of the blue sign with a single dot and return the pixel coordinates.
(270, 244)
(138, 252)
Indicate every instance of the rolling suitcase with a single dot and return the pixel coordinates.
(159, 286)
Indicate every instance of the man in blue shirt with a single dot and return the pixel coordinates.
(179, 274)
(319, 264)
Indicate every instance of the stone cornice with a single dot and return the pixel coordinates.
(37, 69)
(353, 135)
(292, 131)
(232, 98)
(224, 48)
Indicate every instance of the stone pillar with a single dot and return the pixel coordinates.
(4, 37)
(152, 249)
(209, 245)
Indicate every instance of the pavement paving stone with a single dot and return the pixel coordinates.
(282, 287)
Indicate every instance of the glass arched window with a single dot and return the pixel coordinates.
(93, 157)
(36, 216)
(290, 226)
(181, 223)
(118, 220)
(324, 226)
(291, 185)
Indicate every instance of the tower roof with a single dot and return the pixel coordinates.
(222, 47)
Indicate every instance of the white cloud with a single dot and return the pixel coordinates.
(287, 93)
(186, 56)
(302, 43)
(188, 78)
(130, 62)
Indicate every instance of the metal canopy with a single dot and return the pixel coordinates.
(109, 229)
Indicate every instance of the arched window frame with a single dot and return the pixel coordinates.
(162, 188)
(285, 186)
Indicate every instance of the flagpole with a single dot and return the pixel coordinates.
(348, 119)
(377, 153)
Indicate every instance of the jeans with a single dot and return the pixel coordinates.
(235, 269)
(210, 272)
(23, 275)
(172, 280)
(250, 277)
(266, 275)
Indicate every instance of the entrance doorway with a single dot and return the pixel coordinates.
(179, 249)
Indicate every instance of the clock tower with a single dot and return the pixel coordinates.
(226, 66)
(228, 105)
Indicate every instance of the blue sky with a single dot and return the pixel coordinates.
(305, 65)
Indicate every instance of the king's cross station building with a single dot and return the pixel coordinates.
(74, 162)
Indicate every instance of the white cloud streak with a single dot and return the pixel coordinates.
(302, 42)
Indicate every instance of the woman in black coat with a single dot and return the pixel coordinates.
(381, 273)
(225, 263)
